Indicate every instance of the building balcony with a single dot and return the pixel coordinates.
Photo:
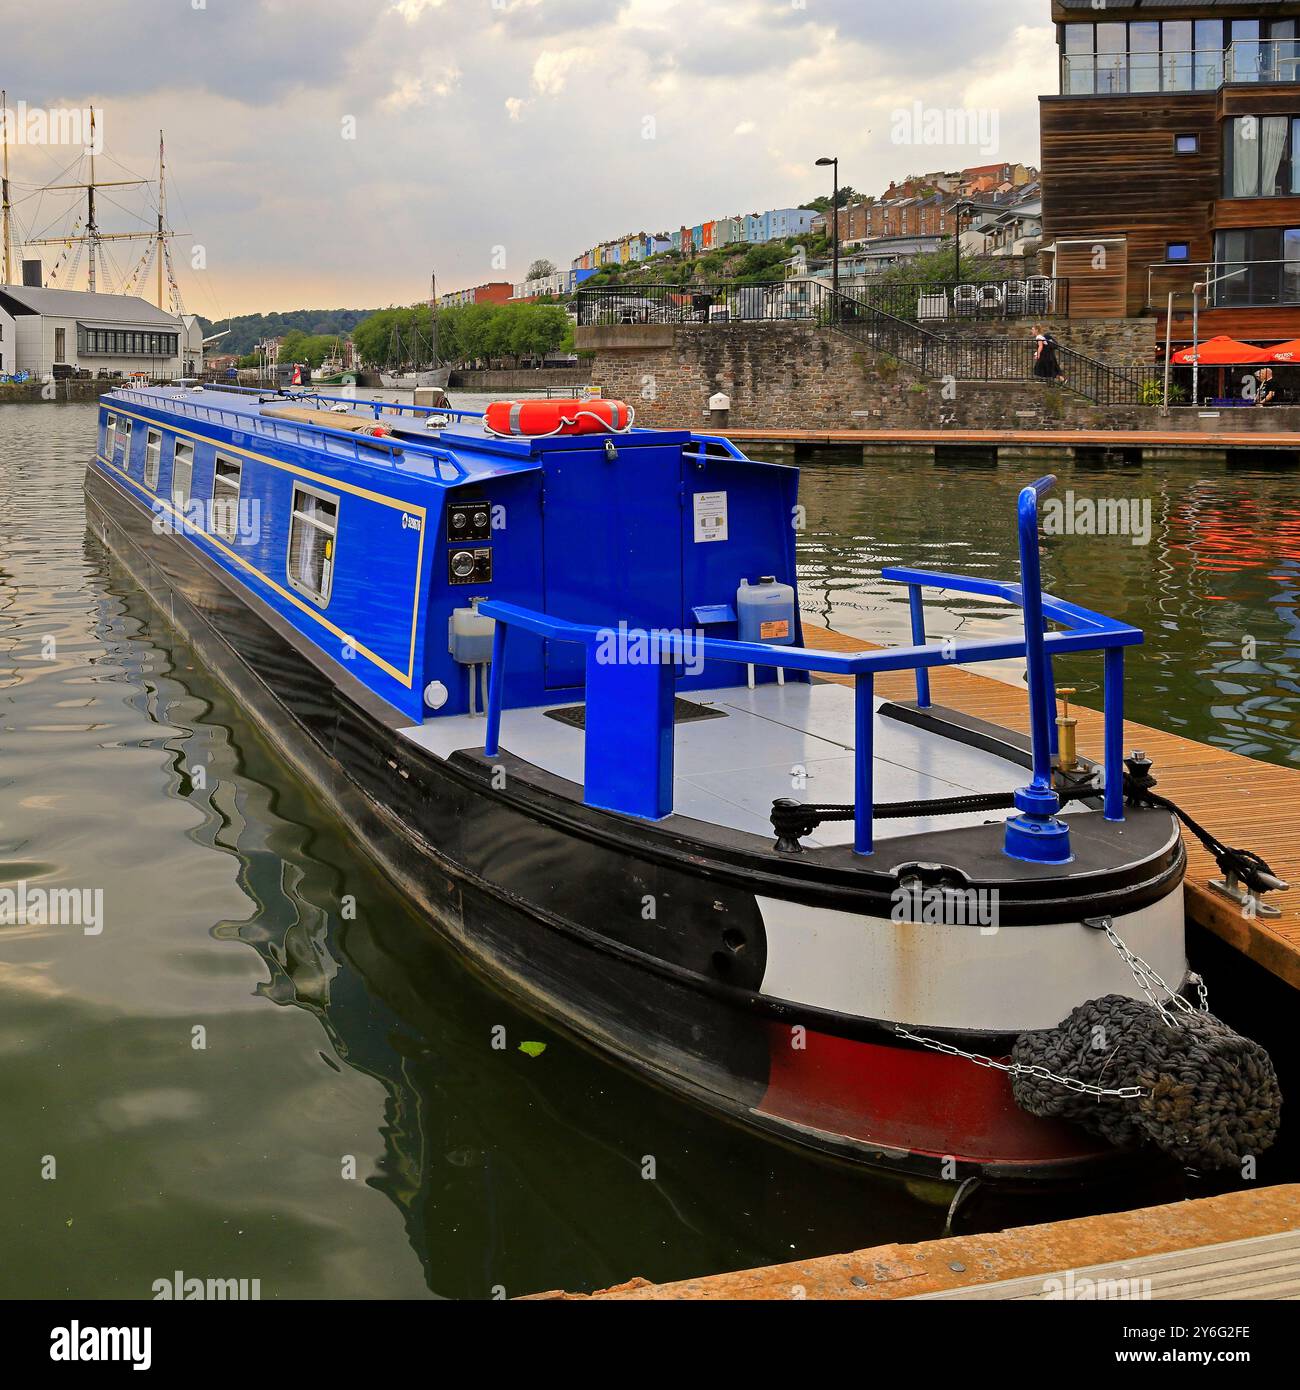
(1262, 284)
(1260, 62)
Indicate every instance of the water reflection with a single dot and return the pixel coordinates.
(339, 1038)
(1215, 589)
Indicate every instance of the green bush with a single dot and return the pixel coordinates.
(1153, 393)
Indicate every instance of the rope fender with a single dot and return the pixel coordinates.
(1209, 1097)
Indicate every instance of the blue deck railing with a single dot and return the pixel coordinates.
(326, 435)
(629, 718)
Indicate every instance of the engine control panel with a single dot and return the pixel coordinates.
(469, 521)
(469, 565)
(469, 528)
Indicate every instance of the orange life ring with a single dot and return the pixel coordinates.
(537, 418)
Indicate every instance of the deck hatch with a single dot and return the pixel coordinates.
(684, 712)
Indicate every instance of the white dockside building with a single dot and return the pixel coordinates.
(8, 337)
(64, 332)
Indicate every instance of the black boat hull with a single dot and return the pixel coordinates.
(542, 902)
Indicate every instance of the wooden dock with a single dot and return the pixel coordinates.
(1247, 804)
(1176, 440)
(1244, 1245)
(1240, 1246)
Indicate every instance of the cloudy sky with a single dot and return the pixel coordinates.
(332, 153)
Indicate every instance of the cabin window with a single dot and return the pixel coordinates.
(1178, 251)
(152, 458)
(312, 531)
(182, 475)
(110, 437)
(225, 497)
(127, 426)
(1187, 144)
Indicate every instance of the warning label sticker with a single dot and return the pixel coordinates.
(710, 516)
(769, 632)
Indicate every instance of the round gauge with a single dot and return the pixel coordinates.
(480, 519)
(458, 520)
(462, 564)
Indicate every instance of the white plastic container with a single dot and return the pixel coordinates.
(766, 612)
(470, 637)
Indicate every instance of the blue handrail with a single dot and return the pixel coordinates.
(629, 730)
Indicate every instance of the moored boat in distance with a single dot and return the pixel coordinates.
(409, 381)
(554, 682)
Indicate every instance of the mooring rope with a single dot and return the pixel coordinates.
(793, 820)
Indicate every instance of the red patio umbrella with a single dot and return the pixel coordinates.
(1221, 352)
(1285, 352)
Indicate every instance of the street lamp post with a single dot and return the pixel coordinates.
(1197, 289)
(834, 164)
(959, 210)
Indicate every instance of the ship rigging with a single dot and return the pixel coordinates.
(85, 237)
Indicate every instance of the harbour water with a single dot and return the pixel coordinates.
(266, 1067)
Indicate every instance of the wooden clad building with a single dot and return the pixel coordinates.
(1171, 157)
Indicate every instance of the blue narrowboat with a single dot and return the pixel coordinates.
(549, 668)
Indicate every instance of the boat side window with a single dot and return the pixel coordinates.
(152, 459)
(225, 497)
(127, 426)
(182, 474)
(110, 437)
(312, 531)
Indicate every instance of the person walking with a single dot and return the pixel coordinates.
(1047, 365)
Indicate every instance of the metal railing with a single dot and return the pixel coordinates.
(1263, 60)
(962, 358)
(361, 449)
(1240, 284)
(1036, 296)
(771, 301)
(956, 357)
(1180, 70)
(628, 760)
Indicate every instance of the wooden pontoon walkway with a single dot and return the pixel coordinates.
(1031, 438)
(1239, 1246)
(1247, 804)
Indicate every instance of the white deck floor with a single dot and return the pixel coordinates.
(729, 771)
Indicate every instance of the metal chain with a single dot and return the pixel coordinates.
(1146, 975)
(1070, 1083)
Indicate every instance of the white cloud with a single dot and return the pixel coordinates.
(419, 89)
(412, 10)
(553, 67)
(564, 74)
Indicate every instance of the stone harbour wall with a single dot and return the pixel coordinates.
(799, 376)
(1122, 342)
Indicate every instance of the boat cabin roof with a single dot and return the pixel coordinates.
(444, 447)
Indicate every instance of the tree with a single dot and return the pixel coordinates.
(541, 267)
(847, 195)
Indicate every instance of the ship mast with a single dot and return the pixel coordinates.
(6, 234)
(92, 228)
(92, 236)
(162, 213)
